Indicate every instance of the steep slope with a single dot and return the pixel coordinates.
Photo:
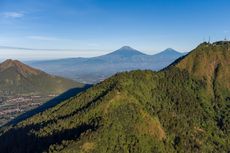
(138, 111)
(18, 78)
(210, 63)
(96, 69)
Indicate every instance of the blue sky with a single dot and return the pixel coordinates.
(94, 27)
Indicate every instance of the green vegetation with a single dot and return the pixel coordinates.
(174, 110)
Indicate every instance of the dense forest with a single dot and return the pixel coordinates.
(183, 108)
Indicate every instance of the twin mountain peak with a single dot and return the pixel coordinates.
(129, 51)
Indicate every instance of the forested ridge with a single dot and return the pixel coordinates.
(184, 108)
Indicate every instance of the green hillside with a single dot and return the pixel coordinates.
(139, 112)
(210, 63)
(18, 78)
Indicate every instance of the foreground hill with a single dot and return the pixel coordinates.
(210, 63)
(140, 111)
(96, 69)
(17, 78)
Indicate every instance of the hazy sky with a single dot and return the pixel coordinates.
(95, 27)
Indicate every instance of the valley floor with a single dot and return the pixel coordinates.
(13, 106)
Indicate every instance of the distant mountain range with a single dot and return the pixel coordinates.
(183, 108)
(96, 69)
(17, 78)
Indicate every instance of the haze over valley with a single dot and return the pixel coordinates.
(96, 69)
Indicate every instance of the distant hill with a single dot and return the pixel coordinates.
(96, 69)
(173, 110)
(18, 78)
(169, 53)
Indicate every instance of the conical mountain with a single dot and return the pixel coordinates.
(126, 51)
(169, 53)
(138, 111)
(18, 78)
(19, 67)
(123, 55)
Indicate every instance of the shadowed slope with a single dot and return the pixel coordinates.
(51, 103)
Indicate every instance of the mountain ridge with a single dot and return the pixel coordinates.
(104, 66)
(137, 111)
